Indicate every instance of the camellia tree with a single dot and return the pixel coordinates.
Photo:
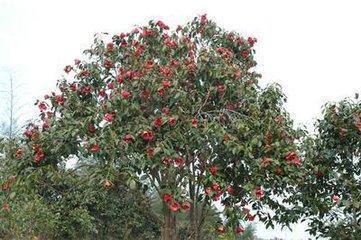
(179, 111)
(331, 190)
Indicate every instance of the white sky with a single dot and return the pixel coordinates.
(312, 48)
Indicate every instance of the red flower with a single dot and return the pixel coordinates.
(167, 161)
(125, 94)
(91, 128)
(147, 135)
(110, 46)
(165, 110)
(172, 121)
(68, 68)
(175, 206)
(167, 197)
(251, 217)
(150, 152)
(335, 198)
(19, 153)
(186, 206)
(76, 61)
(39, 155)
(145, 94)
(259, 192)
(149, 64)
(167, 72)
(291, 156)
(95, 148)
(265, 161)
(59, 99)
(128, 138)
(179, 161)
(5, 207)
(216, 187)
(238, 230)
(161, 25)
(108, 63)
(102, 92)
(245, 54)
(111, 85)
(251, 41)
(73, 87)
(221, 88)
(195, 122)
(161, 91)
(217, 196)
(213, 170)
(108, 117)
(158, 122)
(230, 190)
(42, 106)
(166, 83)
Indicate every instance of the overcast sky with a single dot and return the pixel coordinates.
(312, 48)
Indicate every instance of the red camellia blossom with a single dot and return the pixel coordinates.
(195, 122)
(179, 161)
(213, 170)
(102, 92)
(147, 135)
(19, 153)
(125, 94)
(158, 122)
(186, 206)
(216, 187)
(128, 137)
(161, 25)
(259, 192)
(110, 46)
(165, 110)
(95, 148)
(291, 156)
(108, 117)
(161, 91)
(42, 106)
(167, 197)
(167, 72)
(245, 54)
(172, 121)
(149, 64)
(5, 207)
(335, 198)
(175, 206)
(150, 152)
(265, 161)
(68, 68)
(145, 94)
(59, 99)
(167, 161)
(251, 217)
(76, 61)
(108, 63)
(238, 230)
(166, 83)
(91, 128)
(230, 190)
(221, 88)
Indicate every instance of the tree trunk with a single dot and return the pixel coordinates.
(169, 231)
(194, 223)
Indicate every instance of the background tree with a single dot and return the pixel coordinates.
(181, 110)
(331, 190)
